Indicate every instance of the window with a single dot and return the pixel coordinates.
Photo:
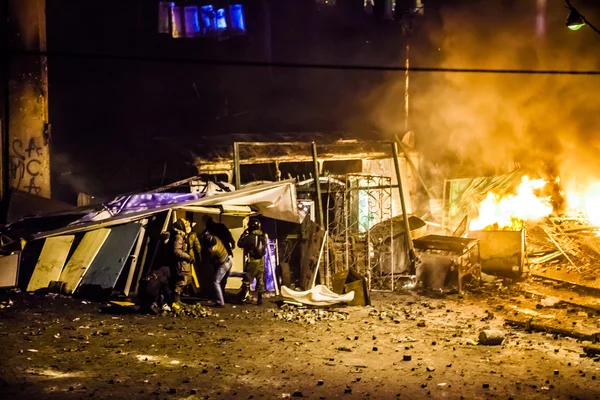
(238, 22)
(164, 16)
(201, 21)
(177, 23)
(208, 17)
(220, 19)
(192, 22)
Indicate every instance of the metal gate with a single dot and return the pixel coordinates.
(368, 229)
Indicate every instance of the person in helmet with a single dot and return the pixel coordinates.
(254, 243)
(181, 257)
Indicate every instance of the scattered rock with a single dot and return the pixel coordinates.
(320, 382)
(430, 369)
(491, 337)
(192, 310)
(291, 313)
(297, 393)
(421, 324)
(550, 301)
(485, 386)
(406, 358)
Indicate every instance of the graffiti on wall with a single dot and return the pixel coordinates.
(27, 164)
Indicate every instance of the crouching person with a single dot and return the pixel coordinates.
(217, 256)
(254, 243)
(154, 293)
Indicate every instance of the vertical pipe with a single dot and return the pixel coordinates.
(317, 186)
(409, 243)
(406, 85)
(4, 163)
(236, 165)
(392, 236)
(346, 238)
(444, 207)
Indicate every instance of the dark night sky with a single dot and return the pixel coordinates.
(108, 115)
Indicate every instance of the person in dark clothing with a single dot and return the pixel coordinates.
(155, 292)
(181, 256)
(254, 243)
(221, 231)
(215, 254)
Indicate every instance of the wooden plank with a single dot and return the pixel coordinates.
(82, 258)
(9, 270)
(50, 262)
(136, 255)
(106, 267)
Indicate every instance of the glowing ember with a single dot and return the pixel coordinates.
(509, 212)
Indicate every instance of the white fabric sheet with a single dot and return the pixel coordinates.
(319, 295)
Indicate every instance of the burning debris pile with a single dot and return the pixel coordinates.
(572, 239)
(557, 219)
(509, 212)
(308, 316)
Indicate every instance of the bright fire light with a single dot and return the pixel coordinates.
(585, 201)
(508, 212)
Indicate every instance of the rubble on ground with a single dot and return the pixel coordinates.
(6, 304)
(308, 316)
(191, 310)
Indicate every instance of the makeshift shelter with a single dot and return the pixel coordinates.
(109, 248)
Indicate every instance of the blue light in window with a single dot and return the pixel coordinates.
(220, 20)
(177, 30)
(208, 16)
(236, 13)
(192, 23)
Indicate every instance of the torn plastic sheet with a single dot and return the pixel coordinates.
(319, 295)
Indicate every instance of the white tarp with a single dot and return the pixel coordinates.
(319, 295)
(278, 203)
(274, 200)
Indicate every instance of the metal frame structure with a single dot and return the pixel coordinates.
(386, 188)
(359, 246)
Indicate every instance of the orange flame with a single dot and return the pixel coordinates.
(509, 212)
(585, 200)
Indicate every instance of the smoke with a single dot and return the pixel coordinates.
(487, 123)
(71, 174)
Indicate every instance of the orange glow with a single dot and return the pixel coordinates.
(585, 201)
(509, 212)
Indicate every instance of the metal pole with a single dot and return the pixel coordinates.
(236, 165)
(346, 238)
(317, 186)
(444, 207)
(409, 243)
(5, 163)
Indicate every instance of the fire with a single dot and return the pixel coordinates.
(585, 201)
(509, 212)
